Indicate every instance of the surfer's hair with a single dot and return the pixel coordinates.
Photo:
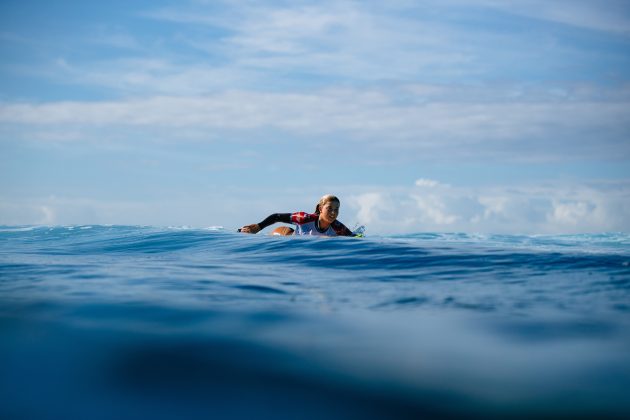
(325, 199)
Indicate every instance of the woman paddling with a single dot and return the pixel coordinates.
(321, 223)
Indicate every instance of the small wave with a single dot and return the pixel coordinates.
(259, 288)
(18, 229)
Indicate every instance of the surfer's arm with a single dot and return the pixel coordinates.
(344, 231)
(275, 218)
(270, 220)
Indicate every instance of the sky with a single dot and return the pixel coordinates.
(479, 116)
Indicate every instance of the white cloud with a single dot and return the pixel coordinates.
(558, 208)
(543, 128)
(614, 17)
(147, 76)
(48, 216)
(369, 206)
(427, 183)
(346, 40)
(571, 213)
(115, 37)
(433, 210)
(494, 206)
(252, 44)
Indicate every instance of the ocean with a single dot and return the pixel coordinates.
(116, 322)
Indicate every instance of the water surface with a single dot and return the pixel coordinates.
(129, 322)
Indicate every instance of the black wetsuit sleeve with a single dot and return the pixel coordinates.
(275, 218)
(344, 231)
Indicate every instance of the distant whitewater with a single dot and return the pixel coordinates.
(105, 322)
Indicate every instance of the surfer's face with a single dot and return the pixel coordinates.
(329, 211)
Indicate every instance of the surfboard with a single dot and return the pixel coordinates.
(282, 231)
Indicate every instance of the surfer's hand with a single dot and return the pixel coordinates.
(251, 228)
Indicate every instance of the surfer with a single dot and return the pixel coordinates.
(321, 223)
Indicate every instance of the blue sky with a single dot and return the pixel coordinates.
(476, 116)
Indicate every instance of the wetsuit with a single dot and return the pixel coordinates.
(306, 224)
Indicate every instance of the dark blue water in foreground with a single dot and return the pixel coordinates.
(106, 322)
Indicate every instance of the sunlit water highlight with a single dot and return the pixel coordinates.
(143, 322)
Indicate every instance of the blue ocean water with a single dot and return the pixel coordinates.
(108, 322)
